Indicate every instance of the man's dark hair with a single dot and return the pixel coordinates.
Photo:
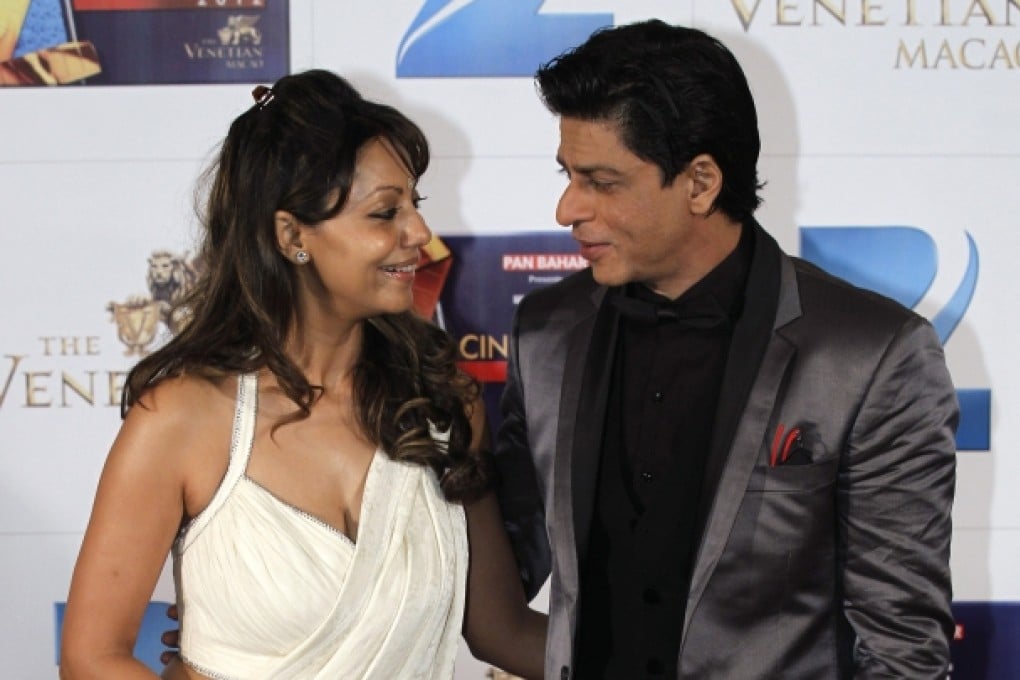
(672, 93)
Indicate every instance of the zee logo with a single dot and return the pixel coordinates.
(485, 38)
(901, 263)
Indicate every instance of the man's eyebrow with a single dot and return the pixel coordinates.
(589, 169)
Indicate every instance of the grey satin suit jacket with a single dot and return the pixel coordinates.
(838, 568)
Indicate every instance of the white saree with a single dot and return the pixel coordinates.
(268, 591)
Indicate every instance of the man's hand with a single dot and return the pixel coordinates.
(170, 638)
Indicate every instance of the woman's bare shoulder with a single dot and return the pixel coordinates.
(181, 414)
(182, 426)
(190, 398)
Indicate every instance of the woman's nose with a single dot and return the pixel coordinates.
(417, 233)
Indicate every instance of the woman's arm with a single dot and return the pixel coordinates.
(138, 509)
(499, 627)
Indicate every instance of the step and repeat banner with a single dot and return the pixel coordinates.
(890, 151)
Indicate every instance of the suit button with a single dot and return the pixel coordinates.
(565, 673)
(651, 596)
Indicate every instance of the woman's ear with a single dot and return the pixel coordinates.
(706, 183)
(288, 234)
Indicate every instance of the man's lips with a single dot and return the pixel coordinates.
(592, 250)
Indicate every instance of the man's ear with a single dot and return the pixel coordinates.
(706, 182)
(288, 234)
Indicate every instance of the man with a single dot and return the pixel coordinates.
(733, 464)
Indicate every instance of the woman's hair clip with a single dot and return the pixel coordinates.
(262, 95)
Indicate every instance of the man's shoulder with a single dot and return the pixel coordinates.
(824, 299)
(830, 300)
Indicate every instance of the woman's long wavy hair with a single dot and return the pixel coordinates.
(295, 150)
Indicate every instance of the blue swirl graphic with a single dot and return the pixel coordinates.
(488, 38)
(946, 321)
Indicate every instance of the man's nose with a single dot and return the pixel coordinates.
(575, 206)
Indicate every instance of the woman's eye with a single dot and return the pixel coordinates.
(386, 214)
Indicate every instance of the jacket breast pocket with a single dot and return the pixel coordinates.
(794, 478)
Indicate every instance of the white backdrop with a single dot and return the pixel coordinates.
(873, 113)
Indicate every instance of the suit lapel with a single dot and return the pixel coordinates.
(578, 435)
(589, 368)
(757, 363)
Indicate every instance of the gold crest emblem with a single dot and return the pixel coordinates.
(169, 278)
(136, 324)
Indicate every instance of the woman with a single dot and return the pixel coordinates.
(304, 445)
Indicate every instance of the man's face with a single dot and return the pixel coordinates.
(629, 227)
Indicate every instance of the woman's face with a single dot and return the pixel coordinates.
(363, 260)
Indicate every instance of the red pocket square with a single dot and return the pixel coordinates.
(788, 447)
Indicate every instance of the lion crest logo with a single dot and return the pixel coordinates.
(241, 29)
(169, 278)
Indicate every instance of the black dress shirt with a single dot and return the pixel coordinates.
(667, 375)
